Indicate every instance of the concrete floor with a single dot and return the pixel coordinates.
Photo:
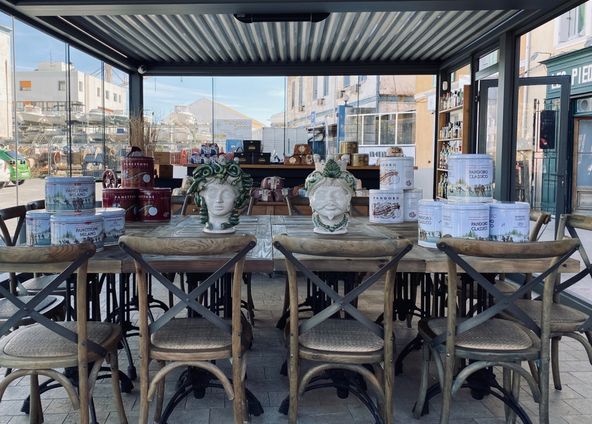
(571, 405)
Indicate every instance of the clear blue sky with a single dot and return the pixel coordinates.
(256, 97)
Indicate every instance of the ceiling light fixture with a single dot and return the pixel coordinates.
(249, 18)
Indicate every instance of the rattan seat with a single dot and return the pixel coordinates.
(495, 335)
(189, 334)
(48, 348)
(36, 284)
(47, 305)
(341, 336)
(563, 318)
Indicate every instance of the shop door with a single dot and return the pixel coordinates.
(541, 139)
(582, 166)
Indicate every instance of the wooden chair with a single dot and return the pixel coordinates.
(52, 305)
(567, 321)
(487, 341)
(192, 341)
(40, 348)
(541, 220)
(342, 344)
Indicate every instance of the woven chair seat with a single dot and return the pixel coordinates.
(341, 336)
(563, 318)
(36, 284)
(190, 335)
(494, 335)
(506, 287)
(8, 309)
(48, 348)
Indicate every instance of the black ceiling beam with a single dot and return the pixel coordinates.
(293, 69)
(184, 7)
(59, 29)
(519, 24)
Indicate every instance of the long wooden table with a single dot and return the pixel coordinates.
(264, 258)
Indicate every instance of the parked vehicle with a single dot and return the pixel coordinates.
(4, 173)
(17, 166)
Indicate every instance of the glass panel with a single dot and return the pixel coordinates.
(181, 111)
(92, 116)
(246, 108)
(406, 128)
(40, 102)
(117, 140)
(537, 145)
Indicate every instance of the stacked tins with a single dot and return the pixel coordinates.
(470, 211)
(396, 201)
(137, 194)
(70, 216)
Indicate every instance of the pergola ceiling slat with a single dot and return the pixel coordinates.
(376, 34)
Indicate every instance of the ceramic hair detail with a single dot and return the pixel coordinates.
(221, 189)
(330, 189)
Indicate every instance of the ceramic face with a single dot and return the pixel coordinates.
(330, 200)
(219, 198)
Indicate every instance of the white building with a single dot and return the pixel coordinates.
(5, 84)
(45, 87)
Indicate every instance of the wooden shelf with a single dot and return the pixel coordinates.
(442, 169)
(281, 166)
(450, 139)
(452, 109)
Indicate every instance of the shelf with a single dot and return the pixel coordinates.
(443, 169)
(450, 139)
(452, 109)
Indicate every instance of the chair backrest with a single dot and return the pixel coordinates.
(548, 255)
(184, 205)
(388, 251)
(571, 223)
(16, 213)
(203, 249)
(71, 259)
(541, 220)
(36, 204)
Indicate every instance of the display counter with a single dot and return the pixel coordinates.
(294, 175)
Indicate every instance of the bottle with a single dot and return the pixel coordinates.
(445, 186)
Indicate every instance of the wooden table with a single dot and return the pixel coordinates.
(418, 260)
(264, 258)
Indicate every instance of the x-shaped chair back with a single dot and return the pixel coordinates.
(552, 255)
(137, 247)
(391, 250)
(15, 212)
(75, 260)
(572, 223)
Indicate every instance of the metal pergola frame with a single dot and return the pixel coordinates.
(54, 17)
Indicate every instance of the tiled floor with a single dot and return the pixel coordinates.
(571, 405)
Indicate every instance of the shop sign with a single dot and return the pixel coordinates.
(577, 64)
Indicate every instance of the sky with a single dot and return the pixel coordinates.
(256, 97)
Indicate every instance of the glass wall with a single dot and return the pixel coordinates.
(62, 112)
(321, 111)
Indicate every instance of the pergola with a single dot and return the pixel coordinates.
(303, 37)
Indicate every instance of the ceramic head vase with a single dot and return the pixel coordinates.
(330, 189)
(220, 189)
